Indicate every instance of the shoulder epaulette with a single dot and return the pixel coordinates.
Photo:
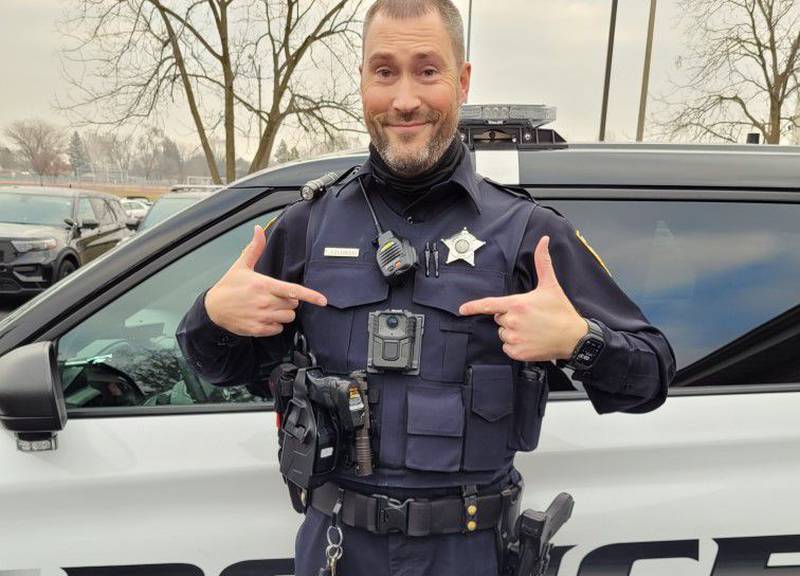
(313, 189)
(346, 177)
(517, 191)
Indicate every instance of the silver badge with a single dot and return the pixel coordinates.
(462, 246)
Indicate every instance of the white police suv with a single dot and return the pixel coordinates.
(117, 459)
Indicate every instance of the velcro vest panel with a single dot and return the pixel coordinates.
(457, 415)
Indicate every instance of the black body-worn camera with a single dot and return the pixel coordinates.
(395, 341)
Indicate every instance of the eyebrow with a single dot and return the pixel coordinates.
(378, 57)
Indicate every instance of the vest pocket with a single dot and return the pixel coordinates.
(532, 391)
(434, 426)
(490, 390)
(330, 329)
(455, 336)
(447, 335)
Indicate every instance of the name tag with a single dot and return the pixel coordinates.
(341, 252)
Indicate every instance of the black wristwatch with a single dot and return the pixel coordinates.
(588, 348)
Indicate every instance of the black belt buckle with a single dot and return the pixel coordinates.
(391, 515)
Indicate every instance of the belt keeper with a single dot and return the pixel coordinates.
(470, 508)
(336, 513)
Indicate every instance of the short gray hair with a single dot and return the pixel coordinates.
(402, 9)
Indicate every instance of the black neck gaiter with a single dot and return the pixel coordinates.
(410, 188)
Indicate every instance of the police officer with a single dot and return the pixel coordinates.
(500, 281)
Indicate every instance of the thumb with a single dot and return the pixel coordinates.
(252, 252)
(545, 274)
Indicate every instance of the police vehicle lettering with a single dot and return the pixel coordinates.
(740, 556)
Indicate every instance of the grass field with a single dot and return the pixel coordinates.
(121, 190)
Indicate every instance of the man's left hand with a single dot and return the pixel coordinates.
(539, 325)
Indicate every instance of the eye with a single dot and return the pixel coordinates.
(430, 72)
(383, 72)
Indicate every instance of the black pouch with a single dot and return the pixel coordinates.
(531, 392)
(490, 390)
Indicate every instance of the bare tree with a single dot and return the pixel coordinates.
(133, 57)
(8, 159)
(112, 150)
(40, 144)
(742, 67)
(149, 149)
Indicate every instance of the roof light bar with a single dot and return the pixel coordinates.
(536, 114)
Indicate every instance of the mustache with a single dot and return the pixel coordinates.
(414, 117)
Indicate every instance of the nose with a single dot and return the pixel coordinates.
(406, 99)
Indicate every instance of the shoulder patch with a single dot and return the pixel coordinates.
(593, 251)
(270, 223)
(517, 191)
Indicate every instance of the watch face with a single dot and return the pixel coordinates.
(589, 352)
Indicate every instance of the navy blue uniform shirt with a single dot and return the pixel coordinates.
(632, 373)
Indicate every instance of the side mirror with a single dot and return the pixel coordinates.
(69, 222)
(89, 223)
(31, 399)
(132, 223)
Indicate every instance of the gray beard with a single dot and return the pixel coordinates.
(412, 165)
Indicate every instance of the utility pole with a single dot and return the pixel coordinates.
(609, 57)
(469, 28)
(646, 72)
(258, 77)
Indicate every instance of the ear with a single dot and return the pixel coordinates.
(464, 79)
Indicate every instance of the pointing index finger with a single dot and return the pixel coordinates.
(491, 305)
(298, 292)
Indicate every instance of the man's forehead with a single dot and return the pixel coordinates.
(424, 36)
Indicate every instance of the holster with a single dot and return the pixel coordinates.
(505, 535)
(528, 554)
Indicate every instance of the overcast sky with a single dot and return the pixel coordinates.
(530, 51)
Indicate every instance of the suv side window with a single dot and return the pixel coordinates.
(126, 354)
(703, 272)
(117, 211)
(85, 210)
(104, 215)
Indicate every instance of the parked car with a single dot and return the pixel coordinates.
(136, 211)
(117, 455)
(143, 199)
(48, 233)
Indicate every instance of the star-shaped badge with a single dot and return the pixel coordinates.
(462, 246)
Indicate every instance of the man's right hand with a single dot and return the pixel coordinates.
(251, 304)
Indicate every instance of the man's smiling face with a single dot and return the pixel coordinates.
(411, 89)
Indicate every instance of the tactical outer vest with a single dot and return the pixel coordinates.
(461, 419)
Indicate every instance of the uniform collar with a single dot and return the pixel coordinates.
(463, 176)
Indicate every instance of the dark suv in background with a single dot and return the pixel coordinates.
(47, 233)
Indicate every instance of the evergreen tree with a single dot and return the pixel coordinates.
(78, 157)
(282, 153)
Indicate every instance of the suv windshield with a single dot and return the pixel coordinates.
(34, 209)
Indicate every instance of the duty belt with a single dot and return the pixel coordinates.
(380, 514)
